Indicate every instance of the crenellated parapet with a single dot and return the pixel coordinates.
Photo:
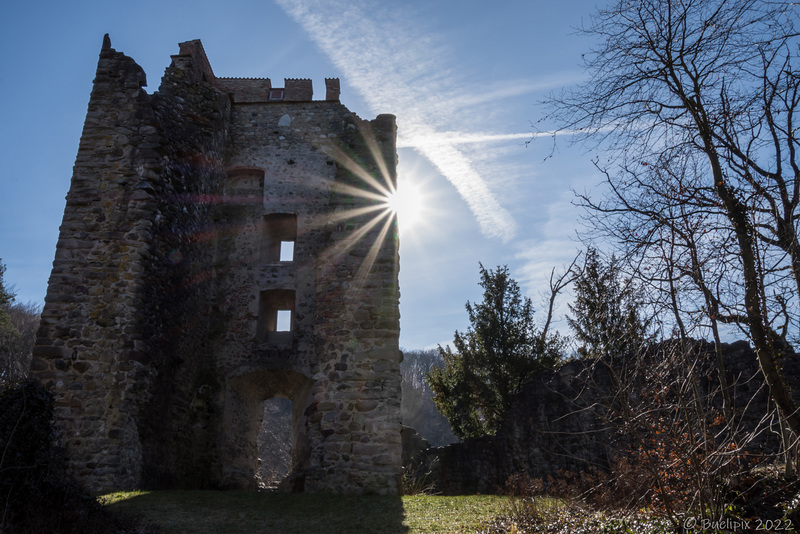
(249, 90)
(260, 90)
(245, 90)
(332, 90)
(298, 90)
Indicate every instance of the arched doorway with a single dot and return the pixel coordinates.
(246, 397)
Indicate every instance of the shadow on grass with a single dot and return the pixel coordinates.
(234, 512)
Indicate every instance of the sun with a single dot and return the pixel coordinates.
(407, 203)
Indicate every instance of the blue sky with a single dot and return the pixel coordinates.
(464, 78)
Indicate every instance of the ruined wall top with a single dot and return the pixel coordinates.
(195, 50)
(250, 90)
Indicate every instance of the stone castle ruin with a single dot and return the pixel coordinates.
(224, 242)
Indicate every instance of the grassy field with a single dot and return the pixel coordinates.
(201, 512)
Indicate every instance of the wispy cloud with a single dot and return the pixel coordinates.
(399, 67)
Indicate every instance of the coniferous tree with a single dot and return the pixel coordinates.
(499, 352)
(606, 319)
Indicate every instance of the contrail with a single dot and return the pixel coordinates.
(460, 138)
(394, 66)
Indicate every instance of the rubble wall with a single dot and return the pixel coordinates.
(563, 419)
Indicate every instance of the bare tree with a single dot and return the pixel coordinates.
(680, 453)
(18, 324)
(695, 100)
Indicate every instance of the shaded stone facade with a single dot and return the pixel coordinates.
(224, 242)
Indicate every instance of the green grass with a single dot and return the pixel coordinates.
(437, 514)
(234, 512)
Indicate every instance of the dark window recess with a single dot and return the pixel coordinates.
(278, 237)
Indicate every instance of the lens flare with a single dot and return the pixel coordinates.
(406, 204)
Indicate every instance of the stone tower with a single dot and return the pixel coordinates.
(224, 242)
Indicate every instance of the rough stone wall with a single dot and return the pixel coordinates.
(345, 321)
(559, 421)
(186, 174)
(159, 335)
(92, 349)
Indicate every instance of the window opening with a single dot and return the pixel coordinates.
(284, 322)
(287, 251)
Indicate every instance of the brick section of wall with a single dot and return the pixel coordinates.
(332, 90)
(298, 90)
(199, 61)
(245, 89)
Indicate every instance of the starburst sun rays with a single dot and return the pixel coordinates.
(379, 204)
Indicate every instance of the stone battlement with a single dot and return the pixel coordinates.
(250, 90)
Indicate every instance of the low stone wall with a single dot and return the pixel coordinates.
(559, 420)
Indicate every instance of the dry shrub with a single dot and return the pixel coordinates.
(419, 477)
(530, 505)
(627, 486)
